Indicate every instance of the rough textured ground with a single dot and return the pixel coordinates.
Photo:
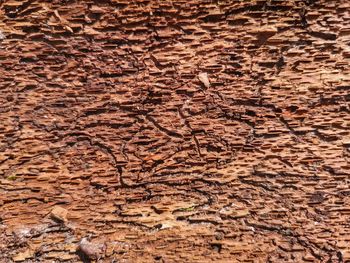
(116, 146)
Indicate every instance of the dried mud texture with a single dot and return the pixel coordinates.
(175, 131)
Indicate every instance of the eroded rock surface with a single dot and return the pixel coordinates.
(175, 131)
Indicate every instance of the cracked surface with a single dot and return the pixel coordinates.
(111, 130)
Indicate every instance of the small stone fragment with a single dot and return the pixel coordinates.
(90, 250)
(2, 36)
(203, 77)
(59, 214)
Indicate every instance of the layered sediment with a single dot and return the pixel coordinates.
(174, 131)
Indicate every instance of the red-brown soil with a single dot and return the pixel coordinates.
(175, 131)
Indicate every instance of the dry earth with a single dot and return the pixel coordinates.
(175, 131)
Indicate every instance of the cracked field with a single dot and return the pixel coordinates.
(174, 131)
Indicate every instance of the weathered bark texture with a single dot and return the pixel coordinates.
(175, 131)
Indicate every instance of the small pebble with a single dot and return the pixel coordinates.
(203, 77)
(59, 213)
